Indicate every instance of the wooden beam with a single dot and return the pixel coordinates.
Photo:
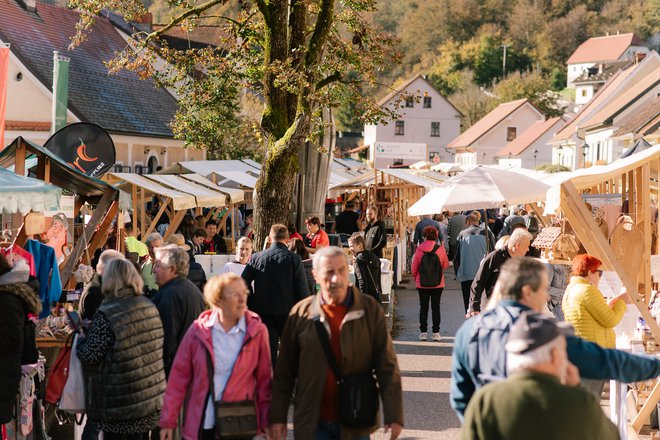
(642, 418)
(143, 217)
(99, 213)
(174, 223)
(154, 222)
(645, 215)
(102, 230)
(596, 244)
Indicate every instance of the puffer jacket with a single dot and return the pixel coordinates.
(365, 345)
(479, 356)
(585, 308)
(189, 379)
(279, 280)
(427, 246)
(17, 332)
(367, 274)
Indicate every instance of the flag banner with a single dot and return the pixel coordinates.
(60, 91)
(4, 68)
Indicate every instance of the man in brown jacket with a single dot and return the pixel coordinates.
(360, 341)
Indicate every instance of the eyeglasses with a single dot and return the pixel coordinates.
(240, 294)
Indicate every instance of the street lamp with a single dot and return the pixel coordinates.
(535, 153)
(483, 157)
(585, 152)
(509, 159)
(560, 150)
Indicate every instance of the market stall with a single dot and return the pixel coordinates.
(626, 251)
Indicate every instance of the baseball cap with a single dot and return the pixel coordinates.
(533, 330)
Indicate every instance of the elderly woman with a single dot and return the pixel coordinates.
(585, 308)
(232, 341)
(92, 296)
(122, 356)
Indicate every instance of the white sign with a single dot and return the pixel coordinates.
(401, 150)
(610, 284)
(655, 268)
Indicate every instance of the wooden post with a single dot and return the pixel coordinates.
(99, 213)
(99, 234)
(596, 244)
(163, 204)
(174, 223)
(645, 218)
(143, 218)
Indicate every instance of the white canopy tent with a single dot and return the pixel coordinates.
(235, 195)
(480, 188)
(180, 200)
(204, 196)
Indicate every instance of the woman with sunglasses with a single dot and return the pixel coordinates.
(585, 307)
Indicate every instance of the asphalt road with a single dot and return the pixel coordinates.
(426, 366)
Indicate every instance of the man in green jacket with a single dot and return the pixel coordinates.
(540, 399)
(360, 342)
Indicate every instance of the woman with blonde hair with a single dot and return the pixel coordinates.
(123, 357)
(224, 357)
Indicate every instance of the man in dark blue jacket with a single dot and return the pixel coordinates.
(479, 356)
(279, 283)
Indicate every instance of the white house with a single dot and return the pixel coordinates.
(601, 50)
(480, 144)
(531, 148)
(433, 121)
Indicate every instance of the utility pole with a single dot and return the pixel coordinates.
(504, 46)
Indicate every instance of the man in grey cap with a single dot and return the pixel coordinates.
(541, 399)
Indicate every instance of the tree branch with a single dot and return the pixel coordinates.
(328, 80)
(320, 34)
(196, 11)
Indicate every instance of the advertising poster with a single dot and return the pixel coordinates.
(59, 228)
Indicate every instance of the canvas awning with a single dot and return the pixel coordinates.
(180, 200)
(411, 177)
(204, 196)
(240, 177)
(235, 195)
(238, 171)
(590, 177)
(24, 194)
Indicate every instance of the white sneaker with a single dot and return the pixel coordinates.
(423, 336)
(436, 337)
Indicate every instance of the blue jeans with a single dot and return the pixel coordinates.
(331, 431)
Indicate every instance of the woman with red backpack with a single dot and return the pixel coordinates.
(429, 261)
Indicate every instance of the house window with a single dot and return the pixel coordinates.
(399, 128)
(427, 102)
(435, 129)
(511, 133)
(584, 93)
(410, 102)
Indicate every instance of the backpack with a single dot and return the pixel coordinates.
(532, 224)
(430, 269)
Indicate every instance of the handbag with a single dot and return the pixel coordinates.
(58, 373)
(233, 420)
(358, 393)
(73, 393)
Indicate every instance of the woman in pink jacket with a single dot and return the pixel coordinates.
(235, 342)
(428, 263)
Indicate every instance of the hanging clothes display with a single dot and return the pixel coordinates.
(15, 253)
(47, 273)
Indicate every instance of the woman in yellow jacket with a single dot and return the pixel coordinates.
(585, 308)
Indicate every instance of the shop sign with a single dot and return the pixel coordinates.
(86, 147)
(410, 152)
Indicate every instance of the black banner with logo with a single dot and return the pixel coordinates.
(86, 147)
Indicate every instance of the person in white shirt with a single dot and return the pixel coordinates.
(243, 253)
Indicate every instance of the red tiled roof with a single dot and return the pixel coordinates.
(640, 122)
(120, 103)
(487, 123)
(529, 136)
(603, 49)
(27, 125)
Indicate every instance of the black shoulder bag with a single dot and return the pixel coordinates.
(233, 420)
(358, 393)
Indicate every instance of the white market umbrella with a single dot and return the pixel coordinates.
(480, 188)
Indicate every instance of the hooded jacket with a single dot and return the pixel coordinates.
(479, 356)
(17, 334)
(189, 378)
(367, 274)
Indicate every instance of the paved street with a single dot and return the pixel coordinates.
(426, 366)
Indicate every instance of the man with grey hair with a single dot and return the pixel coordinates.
(479, 356)
(358, 340)
(93, 296)
(279, 282)
(154, 240)
(540, 391)
(178, 300)
(489, 268)
(514, 218)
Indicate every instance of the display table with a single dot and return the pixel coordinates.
(213, 264)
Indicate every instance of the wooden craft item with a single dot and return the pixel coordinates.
(35, 223)
(565, 248)
(627, 241)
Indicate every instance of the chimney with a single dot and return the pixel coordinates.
(28, 5)
(147, 20)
